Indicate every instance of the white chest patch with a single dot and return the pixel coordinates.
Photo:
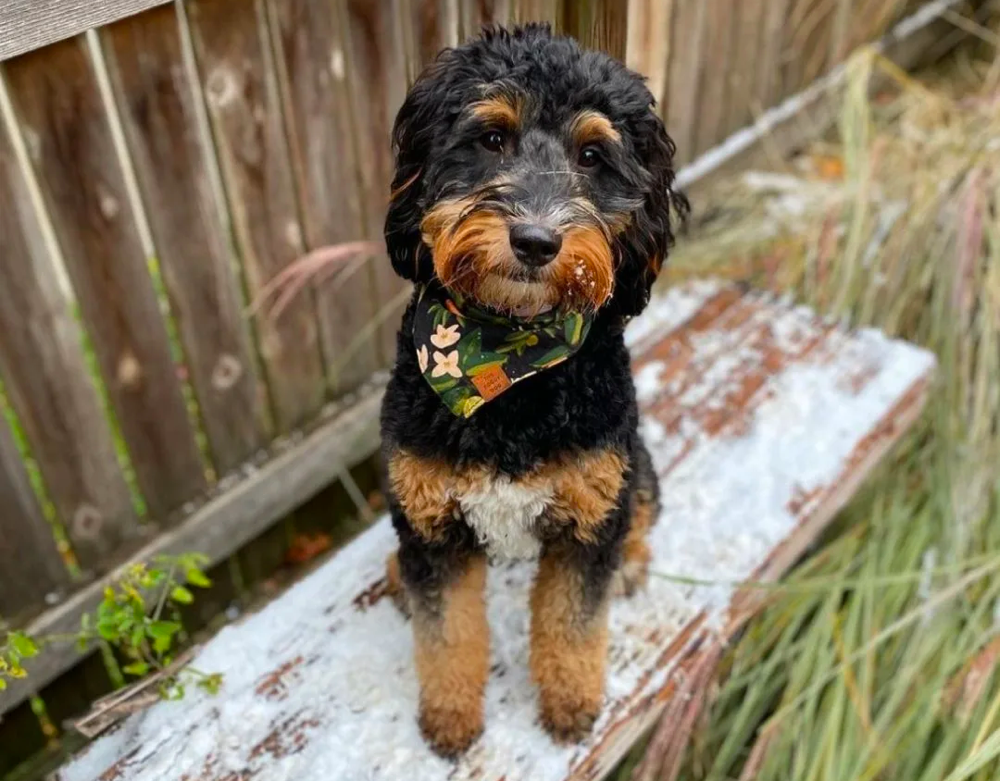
(504, 516)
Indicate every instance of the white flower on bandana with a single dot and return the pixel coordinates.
(446, 365)
(445, 337)
(422, 358)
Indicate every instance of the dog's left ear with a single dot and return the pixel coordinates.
(412, 138)
(644, 245)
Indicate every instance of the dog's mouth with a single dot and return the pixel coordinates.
(470, 243)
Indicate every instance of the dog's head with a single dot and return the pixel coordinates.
(532, 174)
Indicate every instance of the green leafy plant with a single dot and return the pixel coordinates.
(139, 615)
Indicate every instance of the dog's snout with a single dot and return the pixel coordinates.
(534, 245)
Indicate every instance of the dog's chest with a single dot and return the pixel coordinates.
(505, 515)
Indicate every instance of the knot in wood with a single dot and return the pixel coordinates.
(129, 371)
(87, 522)
(221, 87)
(227, 371)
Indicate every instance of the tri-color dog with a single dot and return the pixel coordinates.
(532, 206)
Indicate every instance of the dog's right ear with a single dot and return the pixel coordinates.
(412, 139)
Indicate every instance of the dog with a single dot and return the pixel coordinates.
(532, 206)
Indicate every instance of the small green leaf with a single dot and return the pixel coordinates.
(3, 685)
(25, 646)
(554, 356)
(138, 668)
(162, 629)
(181, 595)
(160, 645)
(574, 327)
(196, 578)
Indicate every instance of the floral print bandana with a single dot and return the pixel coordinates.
(470, 356)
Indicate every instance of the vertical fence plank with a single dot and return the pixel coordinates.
(377, 77)
(436, 25)
(161, 128)
(30, 566)
(57, 98)
(46, 379)
(713, 94)
(313, 71)
(743, 64)
(477, 14)
(686, 52)
(769, 86)
(647, 49)
(598, 24)
(538, 11)
(241, 91)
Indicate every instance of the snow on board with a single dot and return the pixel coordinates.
(761, 419)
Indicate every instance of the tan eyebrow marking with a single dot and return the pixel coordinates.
(501, 110)
(589, 126)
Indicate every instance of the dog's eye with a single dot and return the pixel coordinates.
(589, 157)
(492, 140)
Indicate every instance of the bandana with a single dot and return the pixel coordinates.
(470, 356)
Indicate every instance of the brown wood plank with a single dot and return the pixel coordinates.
(743, 64)
(647, 49)
(235, 62)
(30, 565)
(683, 94)
(598, 24)
(721, 25)
(56, 96)
(313, 75)
(48, 385)
(478, 13)
(156, 105)
(769, 86)
(377, 78)
(295, 472)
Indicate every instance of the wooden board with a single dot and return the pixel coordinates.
(377, 69)
(30, 566)
(761, 420)
(57, 99)
(241, 90)
(312, 68)
(45, 376)
(158, 109)
(30, 24)
(681, 103)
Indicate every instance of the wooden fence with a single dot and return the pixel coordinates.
(157, 171)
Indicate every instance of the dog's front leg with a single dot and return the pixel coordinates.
(445, 588)
(569, 635)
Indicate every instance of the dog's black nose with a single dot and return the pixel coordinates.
(534, 245)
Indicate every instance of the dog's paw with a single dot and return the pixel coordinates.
(629, 578)
(568, 722)
(449, 732)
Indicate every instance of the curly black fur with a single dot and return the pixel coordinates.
(588, 402)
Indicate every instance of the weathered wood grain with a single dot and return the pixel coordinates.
(751, 472)
(598, 24)
(238, 76)
(31, 24)
(683, 93)
(56, 97)
(769, 84)
(30, 565)
(648, 46)
(156, 105)
(313, 67)
(377, 80)
(743, 64)
(48, 385)
(721, 26)
(246, 506)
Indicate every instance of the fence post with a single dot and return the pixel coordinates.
(598, 24)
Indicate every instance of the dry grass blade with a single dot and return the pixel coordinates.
(338, 261)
